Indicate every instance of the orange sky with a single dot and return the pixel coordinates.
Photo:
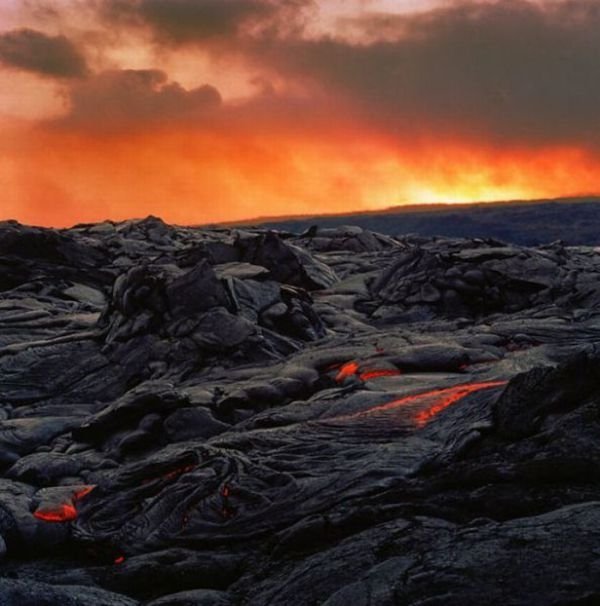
(215, 110)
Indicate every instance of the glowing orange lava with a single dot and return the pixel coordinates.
(63, 513)
(442, 398)
(367, 375)
(350, 369)
(78, 495)
(347, 370)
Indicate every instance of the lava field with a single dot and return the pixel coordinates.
(232, 417)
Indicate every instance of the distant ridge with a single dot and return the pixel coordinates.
(413, 208)
(574, 220)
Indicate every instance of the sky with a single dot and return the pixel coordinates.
(200, 111)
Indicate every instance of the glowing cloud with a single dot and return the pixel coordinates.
(314, 107)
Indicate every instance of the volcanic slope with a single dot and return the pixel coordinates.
(244, 417)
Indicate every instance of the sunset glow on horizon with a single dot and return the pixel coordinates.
(203, 111)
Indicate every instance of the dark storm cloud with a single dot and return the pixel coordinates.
(124, 99)
(514, 71)
(193, 21)
(34, 51)
(511, 69)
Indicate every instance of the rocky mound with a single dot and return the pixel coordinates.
(478, 278)
(240, 313)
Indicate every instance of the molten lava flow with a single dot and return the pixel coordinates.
(374, 373)
(352, 368)
(442, 398)
(65, 512)
(347, 370)
(62, 513)
(453, 396)
(79, 494)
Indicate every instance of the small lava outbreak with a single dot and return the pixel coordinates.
(366, 373)
(347, 370)
(65, 511)
(60, 513)
(242, 416)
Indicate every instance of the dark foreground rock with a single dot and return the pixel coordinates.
(217, 417)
